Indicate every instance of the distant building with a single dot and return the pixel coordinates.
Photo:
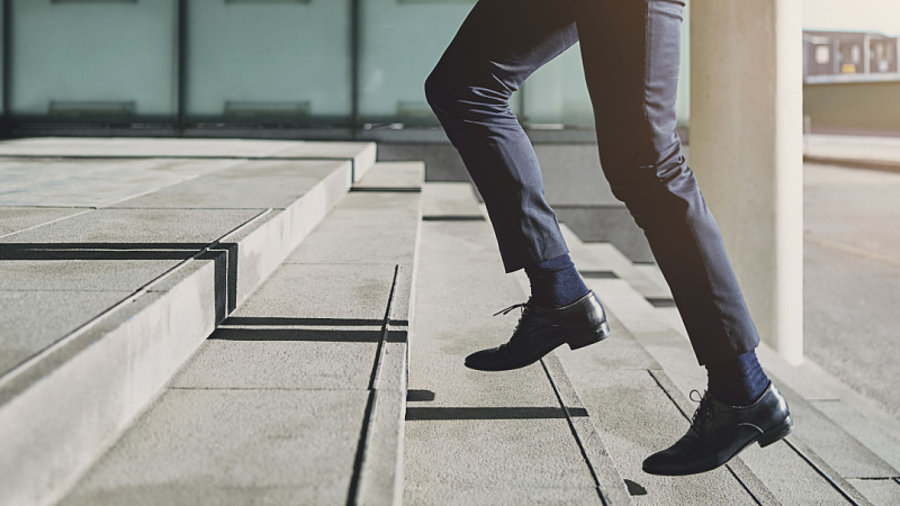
(849, 53)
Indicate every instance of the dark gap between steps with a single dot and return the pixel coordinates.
(599, 274)
(386, 189)
(300, 335)
(661, 301)
(490, 413)
(453, 217)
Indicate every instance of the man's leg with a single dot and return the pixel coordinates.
(500, 44)
(630, 51)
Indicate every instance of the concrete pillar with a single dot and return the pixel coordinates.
(747, 151)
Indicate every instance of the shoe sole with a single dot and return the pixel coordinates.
(589, 337)
(777, 433)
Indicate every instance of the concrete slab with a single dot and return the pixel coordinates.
(15, 219)
(393, 175)
(250, 185)
(362, 154)
(478, 432)
(452, 494)
(454, 319)
(833, 444)
(326, 294)
(652, 273)
(383, 228)
(881, 492)
(504, 455)
(788, 477)
(181, 228)
(93, 182)
(140, 147)
(621, 351)
(81, 275)
(449, 199)
(863, 429)
(265, 443)
(611, 486)
(635, 418)
(230, 362)
(673, 352)
(308, 326)
(33, 320)
(97, 380)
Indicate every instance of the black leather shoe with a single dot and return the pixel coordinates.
(541, 329)
(719, 432)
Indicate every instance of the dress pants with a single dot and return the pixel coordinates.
(630, 52)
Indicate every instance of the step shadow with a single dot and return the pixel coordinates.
(491, 413)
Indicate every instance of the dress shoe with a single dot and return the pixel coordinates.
(541, 329)
(718, 432)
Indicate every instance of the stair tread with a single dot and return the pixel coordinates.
(476, 430)
(655, 329)
(635, 418)
(302, 352)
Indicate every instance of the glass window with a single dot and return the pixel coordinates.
(556, 94)
(402, 40)
(269, 60)
(93, 58)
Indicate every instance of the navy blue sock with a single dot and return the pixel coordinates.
(738, 381)
(556, 282)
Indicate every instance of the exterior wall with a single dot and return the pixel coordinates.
(864, 107)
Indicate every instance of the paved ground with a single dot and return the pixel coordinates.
(852, 277)
(855, 150)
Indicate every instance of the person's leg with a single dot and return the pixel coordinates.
(630, 51)
(631, 58)
(498, 46)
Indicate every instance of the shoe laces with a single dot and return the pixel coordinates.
(704, 410)
(522, 305)
(525, 306)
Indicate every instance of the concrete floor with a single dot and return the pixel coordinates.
(852, 277)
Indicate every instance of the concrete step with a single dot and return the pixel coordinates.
(298, 396)
(103, 302)
(361, 154)
(518, 437)
(823, 459)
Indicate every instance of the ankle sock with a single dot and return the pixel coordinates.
(738, 381)
(556, 282)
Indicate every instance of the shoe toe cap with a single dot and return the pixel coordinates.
(667, 462)
(484, 360)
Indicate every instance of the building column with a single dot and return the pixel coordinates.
(747, 151)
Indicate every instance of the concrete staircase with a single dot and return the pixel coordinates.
(487, 438)
(265, 322)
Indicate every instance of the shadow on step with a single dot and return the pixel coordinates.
(251, 328)
(490, 413)
(99, 251)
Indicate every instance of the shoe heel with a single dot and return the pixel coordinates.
(588, 338)
(776, 433)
